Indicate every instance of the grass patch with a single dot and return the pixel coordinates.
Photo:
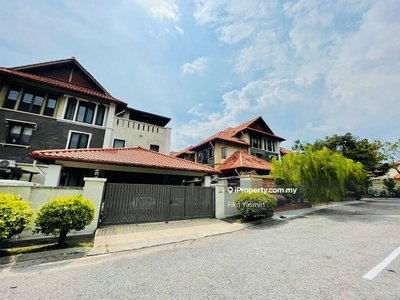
(35, 249)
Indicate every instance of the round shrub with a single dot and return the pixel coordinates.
(289, 198)
(63, 214)
(281, 200)
(15, 215)
(254, 204)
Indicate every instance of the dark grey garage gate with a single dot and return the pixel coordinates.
(138, 203)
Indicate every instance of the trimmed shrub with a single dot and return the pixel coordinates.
(15, 215)
(255, 204)
(289, 198)
(281, 200)
(61, 215)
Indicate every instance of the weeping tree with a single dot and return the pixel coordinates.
(320, 175)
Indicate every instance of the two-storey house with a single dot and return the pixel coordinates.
(253, 137)
(60, 105)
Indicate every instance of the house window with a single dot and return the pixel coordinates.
(32, 101)
(20, 134)
(85, 112)
(155, 148)
(50, 105)
(12, 97)
(223, 152)
(118, 143)
(200, 157)
(78, 140)
(269, 145)
(211, 152)
(256, 142)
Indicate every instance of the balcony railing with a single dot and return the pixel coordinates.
(138, 126)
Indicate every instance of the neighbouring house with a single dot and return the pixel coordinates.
(60, 105)
(68, 167)
(253, 137)
(378, 188)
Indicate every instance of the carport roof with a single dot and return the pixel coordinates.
(133, 157)
(243, 160)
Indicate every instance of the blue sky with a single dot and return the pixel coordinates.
(309, 68)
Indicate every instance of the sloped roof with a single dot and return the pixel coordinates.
(284, 151)
(225, 135)
(19, 73)
(243, 160)
(29, 68)
(229, 134)
(134, 157)
(184, 151)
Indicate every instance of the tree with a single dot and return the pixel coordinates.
(15, 215)
(61, 215)
(369, 154)
(390, 185)
(391, 152)
(320, 175)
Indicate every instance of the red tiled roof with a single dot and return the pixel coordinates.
(60, 84)
(184, 151)
(284, 151)
(241, 159)
(226, 135)
(135, 157)
(229, 134)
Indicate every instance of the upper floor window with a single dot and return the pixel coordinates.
(118, 143)
(256, 142)
(155, 148)
(32, 100)
(211, 152)
(223, 152)
(12, 97)
(78, 140)
(84, 111)
(20, 133)
(269, 145)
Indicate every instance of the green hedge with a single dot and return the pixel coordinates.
(15, 215)
(254, 204)
(63, 214)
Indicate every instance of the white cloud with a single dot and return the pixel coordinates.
(165, 10)
(198, 66)
(180, 30)
(234, 33)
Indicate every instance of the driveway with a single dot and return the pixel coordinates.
(325, 255)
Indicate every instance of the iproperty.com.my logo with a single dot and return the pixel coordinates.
(262, 190)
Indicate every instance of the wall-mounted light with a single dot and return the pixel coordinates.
(96, 173)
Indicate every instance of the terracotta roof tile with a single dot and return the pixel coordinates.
(241, 159)
(284, 151)
(226, 135)
(184, 151)
(60, 84)
(135, 157)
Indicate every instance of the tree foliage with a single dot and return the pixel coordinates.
(61, 215)
(319, 175)
(15, 215)
(367, 153)
(391, 151)
(390, 185)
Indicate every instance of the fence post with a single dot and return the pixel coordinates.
(93, 190)
(219, 201)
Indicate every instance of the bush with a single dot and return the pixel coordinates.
(15, 215)
(281, 200)
(254, 204)
(289, 198)
(61, 215)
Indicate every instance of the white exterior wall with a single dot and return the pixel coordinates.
(139, 134)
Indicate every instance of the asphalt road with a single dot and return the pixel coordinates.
(319, 256)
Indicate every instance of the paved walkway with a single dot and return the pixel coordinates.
(130, 237)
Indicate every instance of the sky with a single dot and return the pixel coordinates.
(310, 68)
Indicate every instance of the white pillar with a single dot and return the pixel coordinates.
(207, 181)
(93, 190)
(107, 142)
(220, 201)
(53, 175)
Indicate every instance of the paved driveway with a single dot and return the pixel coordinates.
(321, 256)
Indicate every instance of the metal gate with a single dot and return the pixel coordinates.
(139, 203)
